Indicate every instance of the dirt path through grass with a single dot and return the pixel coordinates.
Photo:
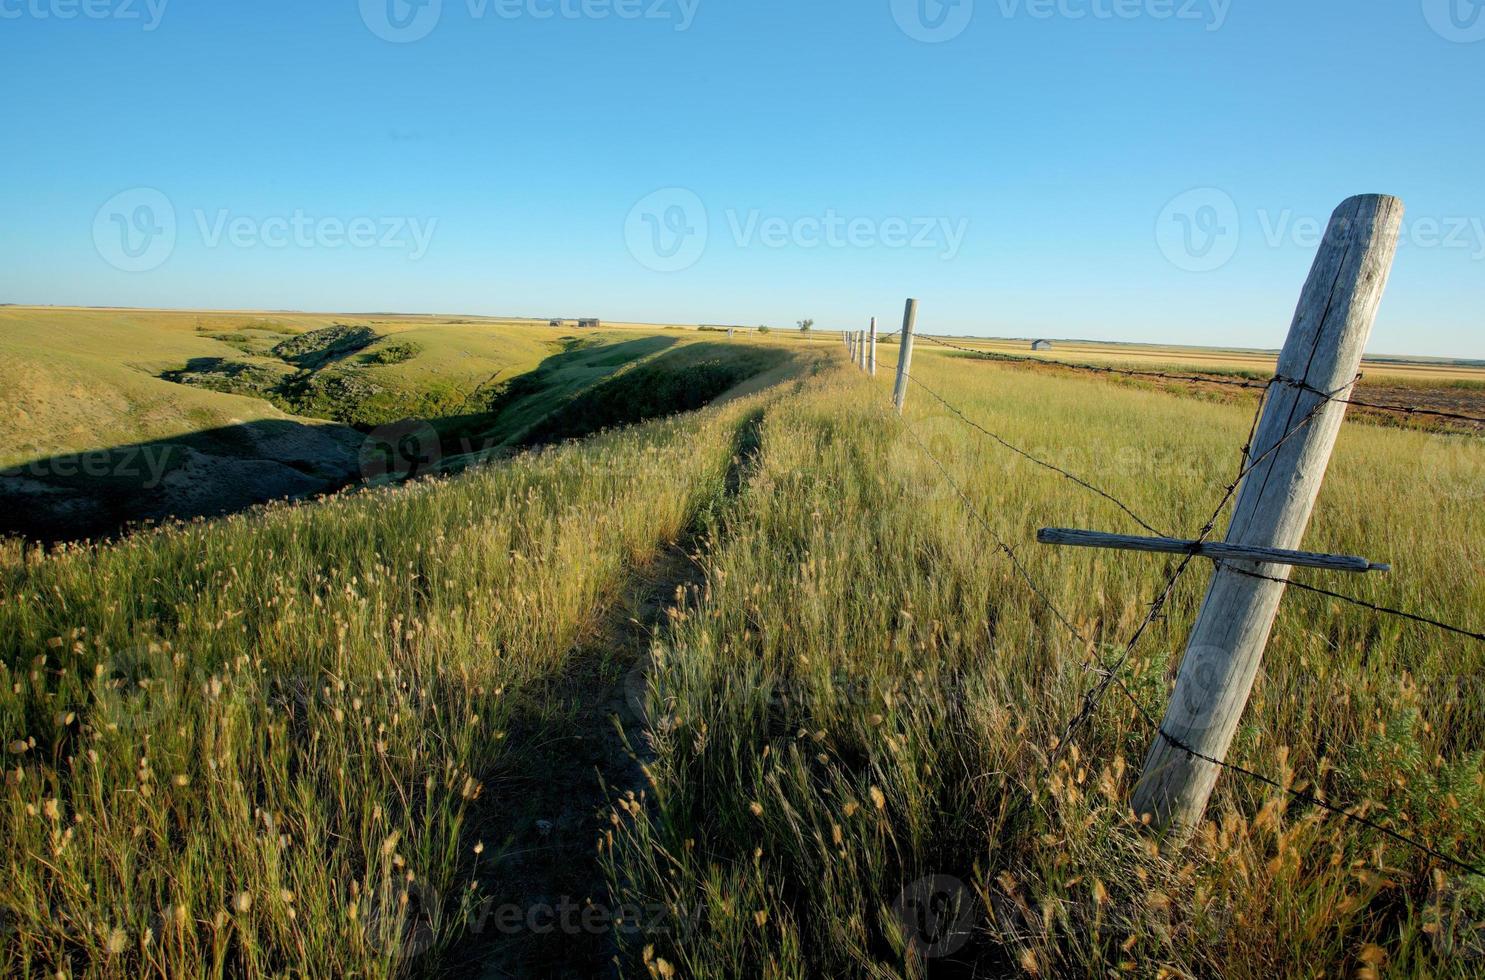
(545, 908)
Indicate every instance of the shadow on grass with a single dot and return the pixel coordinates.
(201, 474)
(587, 388)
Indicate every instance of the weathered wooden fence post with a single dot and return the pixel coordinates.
(1291, 449)
(905, 357)
(871, 350)
(861, 349)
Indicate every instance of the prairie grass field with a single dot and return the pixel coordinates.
(868, 695)
(306, 738)
(240, 746)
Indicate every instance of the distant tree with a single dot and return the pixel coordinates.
(805, 326)
(763, 330)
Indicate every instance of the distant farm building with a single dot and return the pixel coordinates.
(1041, 345)
(588, 323)
(556, 323)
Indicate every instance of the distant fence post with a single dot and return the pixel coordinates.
(905, 358)
(1290, 452)
(871, 350)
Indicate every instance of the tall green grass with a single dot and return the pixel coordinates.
(857, 720)
(259, 746)
(262, 745)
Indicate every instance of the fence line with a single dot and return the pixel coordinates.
(1400, 614)
(1111, 675)
(1409, 410)
(1000, 542)
(1040, 462)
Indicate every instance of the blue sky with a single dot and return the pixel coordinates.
(1117, 169)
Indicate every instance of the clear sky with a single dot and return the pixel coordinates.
(1115, 169)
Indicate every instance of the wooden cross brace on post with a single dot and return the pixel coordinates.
(1215, 550)
(1289, 455)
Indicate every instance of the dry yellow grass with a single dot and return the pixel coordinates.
(859, 698)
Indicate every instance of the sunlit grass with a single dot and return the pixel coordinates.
(256, 744)
(253, 745)
(869, 695)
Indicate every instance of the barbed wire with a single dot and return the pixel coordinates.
(1353, 600)
(1413, 410)
(1000, 542)
(1298, 794)
(1112, 674)
(1041, 462)
(1101, 368)
(1095, 695)
(1409, 410)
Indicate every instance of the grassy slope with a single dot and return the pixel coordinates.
(279, 746)
(80, 380)
(76, 382)
(84, 380)
(88, 381)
